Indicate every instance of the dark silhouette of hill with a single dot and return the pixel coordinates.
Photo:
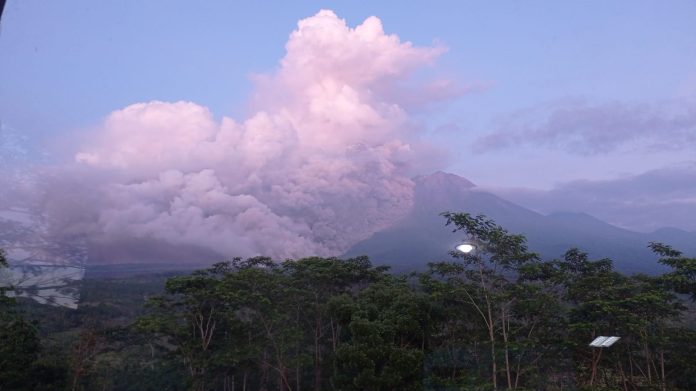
(422, 236)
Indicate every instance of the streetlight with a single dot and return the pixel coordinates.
(466, 248)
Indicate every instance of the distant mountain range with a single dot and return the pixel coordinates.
(422, 237)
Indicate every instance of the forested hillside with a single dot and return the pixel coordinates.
(495, 318)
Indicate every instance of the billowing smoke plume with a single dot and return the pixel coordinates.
(324, 162)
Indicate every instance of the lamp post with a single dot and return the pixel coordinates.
(470, 248)
(600, 343)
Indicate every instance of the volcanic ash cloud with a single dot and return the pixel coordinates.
(324, 162)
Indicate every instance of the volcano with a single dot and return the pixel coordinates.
(422, 236)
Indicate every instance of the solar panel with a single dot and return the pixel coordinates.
(604, 342)
(597, 342)
(610, 341)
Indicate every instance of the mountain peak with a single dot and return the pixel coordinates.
(422, 235)
(441, 178)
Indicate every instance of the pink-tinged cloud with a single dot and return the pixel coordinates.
(324, 162)
(150, 136)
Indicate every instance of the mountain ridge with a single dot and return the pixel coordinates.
(422, 236)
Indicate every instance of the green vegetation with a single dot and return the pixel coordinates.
(498, 318)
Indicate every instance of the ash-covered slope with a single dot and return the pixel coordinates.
(422, 236)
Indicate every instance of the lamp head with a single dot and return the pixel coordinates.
(466, 248)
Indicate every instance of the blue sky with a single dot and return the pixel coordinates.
(64, 66)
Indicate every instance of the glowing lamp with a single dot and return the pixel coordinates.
(465, 248)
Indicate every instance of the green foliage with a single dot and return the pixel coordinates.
(387, 326)
(497, 318)
(19, 346)
(682, 279)
(268, 324)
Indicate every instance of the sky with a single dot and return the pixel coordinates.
(584, 106)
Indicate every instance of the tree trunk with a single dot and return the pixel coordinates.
(317, 353)
(595, 364)
(263, 382)
(624, 382)
(491, 327)
(491, 336)
(297, 378)
(507, 350)
(517, 372)
(647, 360)
(662, 370)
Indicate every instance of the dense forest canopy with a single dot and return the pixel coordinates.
(498, 317)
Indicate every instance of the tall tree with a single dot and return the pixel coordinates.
(491, 266)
